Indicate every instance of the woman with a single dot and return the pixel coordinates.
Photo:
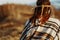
(40, 26)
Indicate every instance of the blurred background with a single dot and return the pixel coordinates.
(15, 13)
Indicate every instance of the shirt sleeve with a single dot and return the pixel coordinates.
(58, 22)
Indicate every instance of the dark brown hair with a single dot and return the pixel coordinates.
(38, 10)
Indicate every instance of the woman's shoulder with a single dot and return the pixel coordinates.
(54, 20)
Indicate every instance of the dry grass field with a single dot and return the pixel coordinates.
(13, 18)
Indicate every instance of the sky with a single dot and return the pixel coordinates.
(55, 3)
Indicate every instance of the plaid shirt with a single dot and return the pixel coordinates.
(49, 31)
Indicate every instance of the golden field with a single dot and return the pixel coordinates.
(12, 20)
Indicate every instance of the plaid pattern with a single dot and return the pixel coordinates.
(49, 31)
